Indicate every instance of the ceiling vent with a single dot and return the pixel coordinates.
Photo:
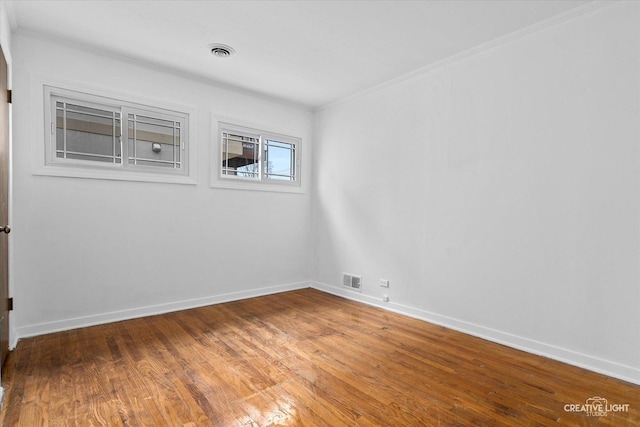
(221, 50)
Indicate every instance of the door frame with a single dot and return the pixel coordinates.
(5, 85)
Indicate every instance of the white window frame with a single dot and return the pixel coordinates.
(52, 165)
(261, 183)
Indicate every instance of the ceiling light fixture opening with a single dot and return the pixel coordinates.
(221, 50)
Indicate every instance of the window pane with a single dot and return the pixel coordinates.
(153, 142)
(131, 141)
(240, 155)
(176, 146)
(60, 132)
(87, 133)
(280, 162)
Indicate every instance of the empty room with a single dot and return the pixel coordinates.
(320, 213)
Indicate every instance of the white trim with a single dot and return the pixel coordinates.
(152, 310)
(41, 91)
(602, 366)
(13, 336)
(115, 175)
(217, 181)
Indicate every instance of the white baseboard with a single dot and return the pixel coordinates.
(606, 367)
(116, 316)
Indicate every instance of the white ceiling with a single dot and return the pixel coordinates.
(308, 52)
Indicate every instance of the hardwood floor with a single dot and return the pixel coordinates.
(297, 358)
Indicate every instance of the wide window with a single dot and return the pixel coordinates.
(257, 156)
(88, 131)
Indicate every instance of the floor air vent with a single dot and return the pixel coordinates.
(352, 281)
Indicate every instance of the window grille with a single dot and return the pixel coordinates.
(88, 131)
(258, 156)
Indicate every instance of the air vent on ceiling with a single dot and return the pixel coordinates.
(221, 50)
(352, 281)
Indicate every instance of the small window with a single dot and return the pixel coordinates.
(92, 132)
(256, 156)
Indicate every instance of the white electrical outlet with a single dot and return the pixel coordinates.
(385, 298)
(384, 283)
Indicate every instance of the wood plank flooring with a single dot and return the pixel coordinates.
(297, 358)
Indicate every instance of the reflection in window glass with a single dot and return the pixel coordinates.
(240, 155)
(280, 160)
(87, 132)
(153, 142)
(84, 133)
(253, 155)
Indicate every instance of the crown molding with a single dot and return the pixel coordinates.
(477, 50)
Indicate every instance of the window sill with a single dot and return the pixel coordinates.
(111, 174)
(256, 186)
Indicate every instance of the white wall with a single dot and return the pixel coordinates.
(499, 194)
(88, 251)
(5, 31)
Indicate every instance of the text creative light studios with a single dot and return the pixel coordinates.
(596, 407)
